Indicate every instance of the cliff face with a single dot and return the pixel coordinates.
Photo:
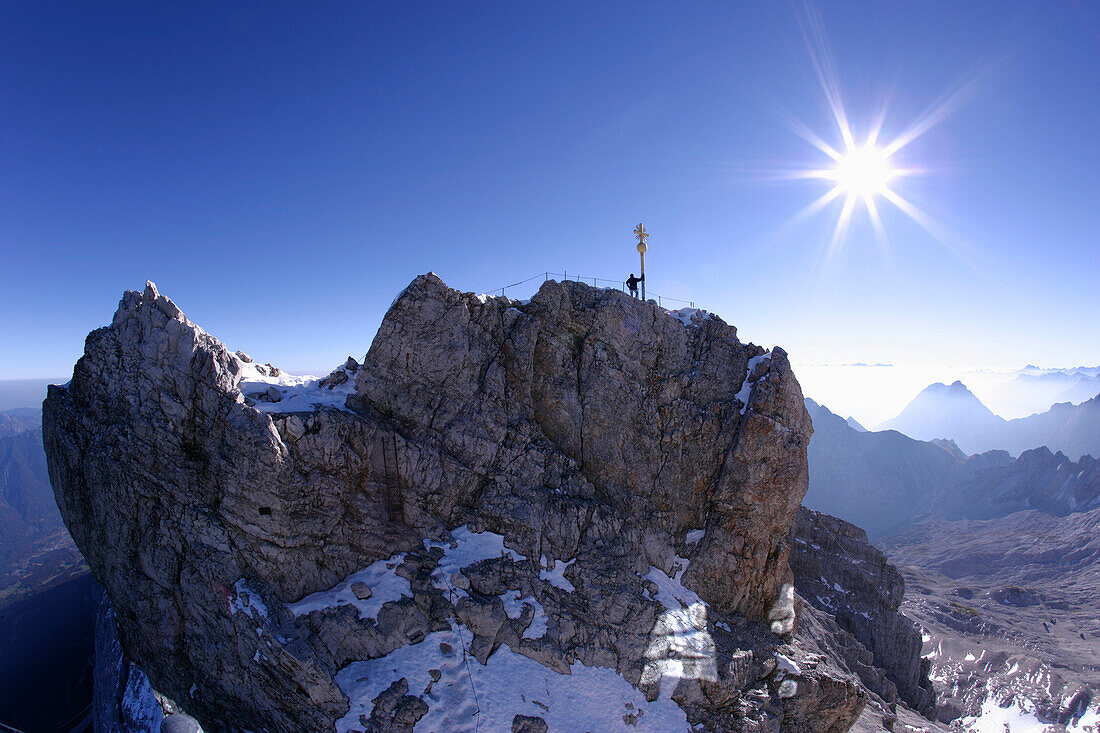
(581, 484)
(839, 572)
(586, 394)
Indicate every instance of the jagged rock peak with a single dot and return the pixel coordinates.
(553, 485)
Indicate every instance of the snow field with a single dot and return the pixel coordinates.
(297, 393)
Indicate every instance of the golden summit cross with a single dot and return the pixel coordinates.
(641, 233)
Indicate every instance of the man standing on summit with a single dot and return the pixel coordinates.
(632, 283)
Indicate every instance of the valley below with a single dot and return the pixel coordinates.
(1010, 610)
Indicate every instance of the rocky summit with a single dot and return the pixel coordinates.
(569, 513)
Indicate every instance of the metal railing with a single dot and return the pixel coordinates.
(617, 284)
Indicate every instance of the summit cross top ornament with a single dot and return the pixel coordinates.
(641, 234)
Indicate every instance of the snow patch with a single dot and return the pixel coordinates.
(787, 664)
(555, 575)
(687, 316)
(248, 601)
(745, 393)
(1016, 717)
(513, 607)
(385, 586)
(670, 591)
(1018, 714)
(470, 696)
(695, 535)
(680, 647)
(466, 548)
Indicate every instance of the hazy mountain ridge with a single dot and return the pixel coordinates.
(18, 420)
(1033, 390)
(954, 412)
(946, 411)
(875, 480)
(883, 479)
(25, 493)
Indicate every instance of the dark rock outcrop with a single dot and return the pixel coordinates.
(627, 481)
(838, 571)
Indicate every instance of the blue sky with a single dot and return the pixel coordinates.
(282, 171)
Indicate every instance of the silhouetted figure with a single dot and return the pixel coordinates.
(632, 283)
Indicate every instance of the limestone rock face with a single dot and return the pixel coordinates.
(580, 487)
(587, 394)
(850, 579)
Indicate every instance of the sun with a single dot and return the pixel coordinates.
(864, 172)
(858, 174)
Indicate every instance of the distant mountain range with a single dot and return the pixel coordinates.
(885, 480)
(35, 548)
(19, 420)
(1033, 389)
(953, 412)
(26, 499)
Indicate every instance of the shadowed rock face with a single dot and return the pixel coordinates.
(583, 426)
(839, 572)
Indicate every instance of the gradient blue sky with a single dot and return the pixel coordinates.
(282, 171)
